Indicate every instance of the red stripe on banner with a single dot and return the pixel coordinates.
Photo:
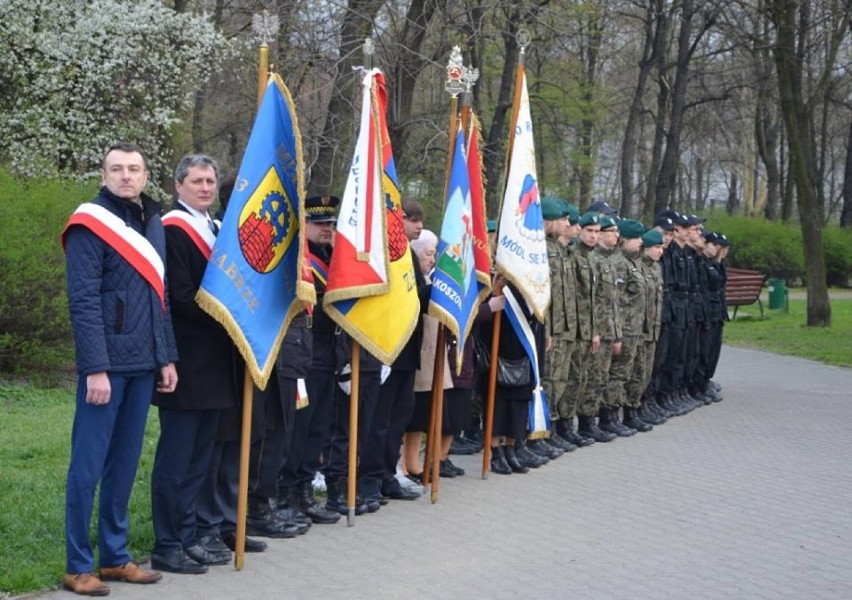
(127, 251)
(196, 238)
(371, 183)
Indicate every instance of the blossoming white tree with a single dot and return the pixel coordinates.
(78, 76)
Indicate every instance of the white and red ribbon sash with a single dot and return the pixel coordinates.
(130, 245)
(197, 231)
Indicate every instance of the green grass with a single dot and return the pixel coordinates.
(35, 433)
(786, 333)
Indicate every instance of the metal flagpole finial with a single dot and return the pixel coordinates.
(470, 76)
(523, 37)
(265, 27)
(455, 73)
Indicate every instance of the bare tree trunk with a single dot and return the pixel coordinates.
(671, 158)
(699, 185)
(634, 114)
(733, 202)
(802, 156)
(494, 154)
(589, 52)
(407, 69)
(846, 212)
(338, 131)
(663, 84)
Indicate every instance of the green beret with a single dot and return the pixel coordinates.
(551, 208)
(652, 237)
(491, 225)
(589, 218)
(571, 212)
(606, 222)
(630, 229)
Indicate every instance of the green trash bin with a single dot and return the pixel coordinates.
(777, 294)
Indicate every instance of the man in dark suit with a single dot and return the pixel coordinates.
(189, 417)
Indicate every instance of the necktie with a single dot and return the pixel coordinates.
(213, 227)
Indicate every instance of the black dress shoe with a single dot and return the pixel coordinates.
(462, 447)
(459, 471)
(373, 504)
(446, 471)
(213, 543)
(251, 545)
(397, 492)
(204, 557)
(177, 561)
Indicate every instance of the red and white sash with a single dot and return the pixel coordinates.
(130, 245)
(197, 231)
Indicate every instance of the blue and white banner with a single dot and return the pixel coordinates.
(455, 291)
(539, 415)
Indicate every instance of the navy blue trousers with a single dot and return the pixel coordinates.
(106, 442)
(311, 430)
(183, 459)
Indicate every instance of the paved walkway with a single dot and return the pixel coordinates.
(749, 498)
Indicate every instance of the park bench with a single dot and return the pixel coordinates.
(743, 288)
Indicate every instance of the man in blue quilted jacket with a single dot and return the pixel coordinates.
(125, 348)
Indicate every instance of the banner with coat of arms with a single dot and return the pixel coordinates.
(255, 281)
(521, 249)
(371, 292)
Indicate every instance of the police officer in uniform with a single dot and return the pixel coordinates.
(313, 423)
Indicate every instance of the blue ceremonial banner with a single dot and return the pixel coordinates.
(455, 289)
(253, 284)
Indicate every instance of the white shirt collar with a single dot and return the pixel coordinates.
(195, 213)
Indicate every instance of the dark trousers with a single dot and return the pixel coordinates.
(380, 446)
(216, 508)
(106, 441)
(713, 349)
(269, 454)
(336, 452)
(311, 430)
(182, 461)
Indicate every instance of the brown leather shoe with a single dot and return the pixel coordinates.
(131, 573)
(85, 584)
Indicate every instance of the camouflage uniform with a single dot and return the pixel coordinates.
(651, 325)
(632, 310)
(581, 355)
(607, 321)
(561, 327)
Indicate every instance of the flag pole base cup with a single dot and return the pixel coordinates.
(350, 518)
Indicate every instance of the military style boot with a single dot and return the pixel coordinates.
(303, 498)
(261, 520)
(528, 458)
(565, 429)
(633, 419)
(542, 448)
(589, 428)
(620, 428)
(560, 442)
(336, 488)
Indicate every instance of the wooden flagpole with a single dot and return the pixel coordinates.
(523, 39)
(355, 381)
(454, 85)
(352, 472)
(265, 26)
